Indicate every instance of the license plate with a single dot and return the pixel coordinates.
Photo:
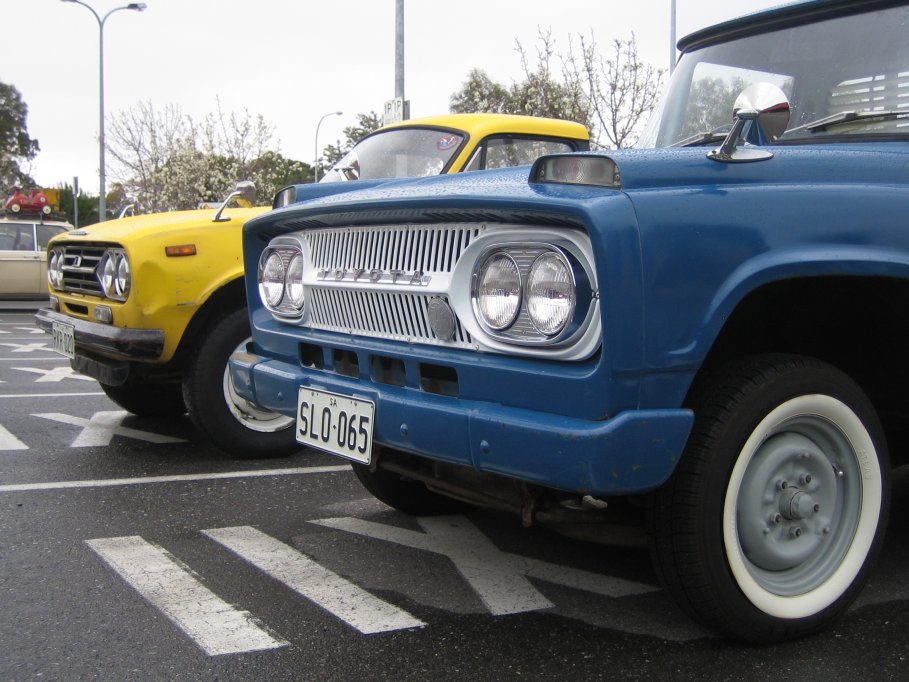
(337, 423)
(64, 340)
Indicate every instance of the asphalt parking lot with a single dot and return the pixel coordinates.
(129, 551)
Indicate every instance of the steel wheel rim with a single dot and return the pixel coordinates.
(794, 574)
(248, 414)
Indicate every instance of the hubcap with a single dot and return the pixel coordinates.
(798, 505)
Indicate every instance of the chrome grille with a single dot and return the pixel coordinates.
(80, 263)
(402, 316)
(430, 249)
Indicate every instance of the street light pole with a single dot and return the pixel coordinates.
(137, 7)
(318, 125)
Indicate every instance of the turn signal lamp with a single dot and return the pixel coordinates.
(180, 250)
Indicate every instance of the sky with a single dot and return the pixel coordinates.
(290, 60)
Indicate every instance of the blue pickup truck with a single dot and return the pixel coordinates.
(694, 344)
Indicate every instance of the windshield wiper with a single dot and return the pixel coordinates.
(847, 117)
(706, 137)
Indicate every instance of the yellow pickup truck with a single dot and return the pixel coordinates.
(152, 306)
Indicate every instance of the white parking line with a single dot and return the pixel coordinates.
(112, 482)
(48, 395)
(355, 606)
(9, 442)
(58, 358)
(213, 624)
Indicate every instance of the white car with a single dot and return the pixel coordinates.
(23, 256)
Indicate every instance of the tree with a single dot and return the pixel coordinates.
(480, 94)
(621, 89)
(88, 205)
(366, 124)
(541, 93)
(16, 147)
(167, 161)
(142, 140)
(611, 96)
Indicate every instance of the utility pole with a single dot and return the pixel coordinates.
(399, 49)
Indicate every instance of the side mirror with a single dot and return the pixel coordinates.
(761, 115)
(244, 193)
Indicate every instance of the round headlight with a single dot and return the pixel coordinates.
(498, 291)
(53, 269)
(295, 282)
(551, 293)
(123, 280)
(108, 273)
(271, 279)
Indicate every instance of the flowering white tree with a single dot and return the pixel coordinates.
(165, 161)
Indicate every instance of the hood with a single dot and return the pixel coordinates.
(159, 224)
(488, 195)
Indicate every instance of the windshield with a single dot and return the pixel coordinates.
(398, 153)
(849, 64)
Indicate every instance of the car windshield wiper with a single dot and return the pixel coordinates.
(847, 117)
(706, 137)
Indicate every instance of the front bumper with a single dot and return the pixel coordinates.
(103, 351)
(633, 452)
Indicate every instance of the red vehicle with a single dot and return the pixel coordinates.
(36, 202)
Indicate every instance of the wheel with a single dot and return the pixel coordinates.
(226, 420)
(147, 399)
(406, 495)
(767, 529)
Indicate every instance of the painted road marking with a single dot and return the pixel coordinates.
(9, 442)
(184, 478)
(25, 347)
(500, 579)
(55, 374)
(102, 427)
(49, 395)
(55, 358)
(355, 606)
(213, 624)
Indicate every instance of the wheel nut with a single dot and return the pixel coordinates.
(795, 532)
(775, 519)
(804, 479)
